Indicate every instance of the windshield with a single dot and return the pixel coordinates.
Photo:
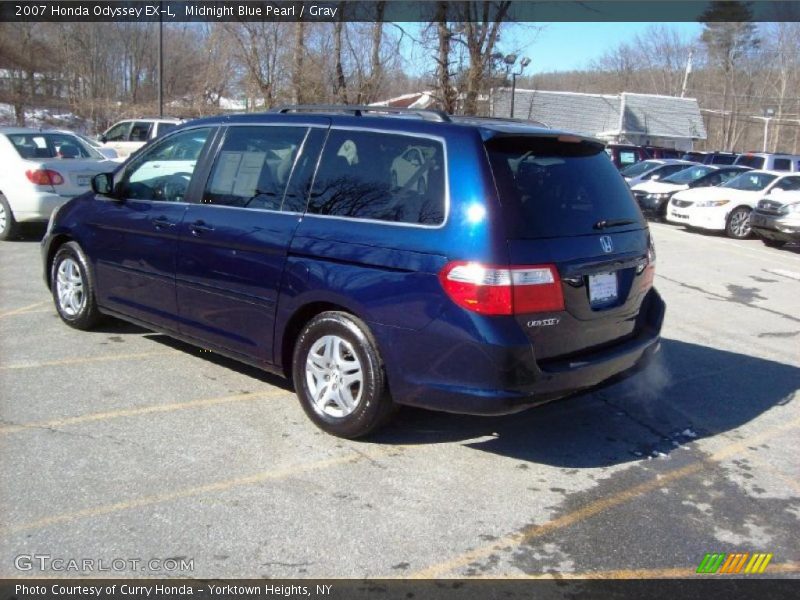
(639, 168)
(688, 175)
(52, 145)
(751, 182)
(552, 189)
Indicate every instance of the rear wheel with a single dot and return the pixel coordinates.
(339, 376)
(9, 228)
(73, 288)
(773, 243)
(738, 226)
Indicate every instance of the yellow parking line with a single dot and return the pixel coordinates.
(86, 359)
(598, 506)
(142, 410)
(219, 486)
(666, 573)
(23, 309)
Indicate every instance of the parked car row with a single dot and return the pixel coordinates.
(626, 156)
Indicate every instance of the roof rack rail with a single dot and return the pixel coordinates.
(358, 110)
(504, 119)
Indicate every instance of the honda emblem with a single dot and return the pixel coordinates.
(606, 243)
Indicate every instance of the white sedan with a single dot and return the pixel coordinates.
(41, 170)
(727, 207)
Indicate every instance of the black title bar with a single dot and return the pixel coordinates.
(392, 11)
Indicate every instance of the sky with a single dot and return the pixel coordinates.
(561, 46)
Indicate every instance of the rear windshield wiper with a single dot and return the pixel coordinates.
(613, 223)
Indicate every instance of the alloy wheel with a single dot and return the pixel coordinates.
(334, 376)
(70, 288)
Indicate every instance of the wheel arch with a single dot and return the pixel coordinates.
(56, 243)
(295, 325)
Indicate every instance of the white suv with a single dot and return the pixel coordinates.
(126, 137)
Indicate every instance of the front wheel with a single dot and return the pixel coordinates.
(73, 288)
(738, 226)
(339, 376)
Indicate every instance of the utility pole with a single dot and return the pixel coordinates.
(686, 74)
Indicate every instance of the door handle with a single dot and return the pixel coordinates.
(198, 227)
(162, 221)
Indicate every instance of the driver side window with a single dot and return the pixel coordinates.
(163, 172)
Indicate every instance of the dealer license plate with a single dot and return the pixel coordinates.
(602, 288)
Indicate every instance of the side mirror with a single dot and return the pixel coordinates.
(102, 138)
(103, 184)
(656, 177)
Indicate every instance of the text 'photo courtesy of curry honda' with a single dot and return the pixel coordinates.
(376, 257)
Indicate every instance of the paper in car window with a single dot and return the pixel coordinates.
(237, 173)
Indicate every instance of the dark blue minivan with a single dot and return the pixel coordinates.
(375, 256)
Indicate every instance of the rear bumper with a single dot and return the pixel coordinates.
(513, 381)
(775, 227)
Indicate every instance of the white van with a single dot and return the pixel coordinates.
(126, 137)
(765, 161)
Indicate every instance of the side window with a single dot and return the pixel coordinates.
(119, 132)
(366, 175)
(728, 175)
(253, 166)
(782, 164)
(163, 172)
(140, 132)
(712, 180)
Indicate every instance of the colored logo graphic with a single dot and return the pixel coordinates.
(730, 564)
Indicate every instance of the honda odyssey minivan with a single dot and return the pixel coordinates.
(502, 267)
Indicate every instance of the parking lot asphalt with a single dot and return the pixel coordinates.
(123, 444)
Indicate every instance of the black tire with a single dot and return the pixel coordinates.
(373, 406)
(86, 315)
(773, 243)
(734, 228)
(9, 228)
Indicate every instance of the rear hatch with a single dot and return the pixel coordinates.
(566, 205)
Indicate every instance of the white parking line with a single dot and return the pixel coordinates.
(785, 273)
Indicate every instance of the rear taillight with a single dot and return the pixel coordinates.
(494, 290)
(44, 177)
(650, 266)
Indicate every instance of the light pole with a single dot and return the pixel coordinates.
(510, 59)
(769, 112)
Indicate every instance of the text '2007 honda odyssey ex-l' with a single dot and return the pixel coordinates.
(376, 257)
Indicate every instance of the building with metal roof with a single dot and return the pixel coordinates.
(642, 119)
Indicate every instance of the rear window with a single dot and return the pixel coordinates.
(723, 159)
(755, 162)
(555, 189)
(51, 145)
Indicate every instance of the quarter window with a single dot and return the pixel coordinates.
(254, 166)
(163, 172)
(782, 164)
(380, 176)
